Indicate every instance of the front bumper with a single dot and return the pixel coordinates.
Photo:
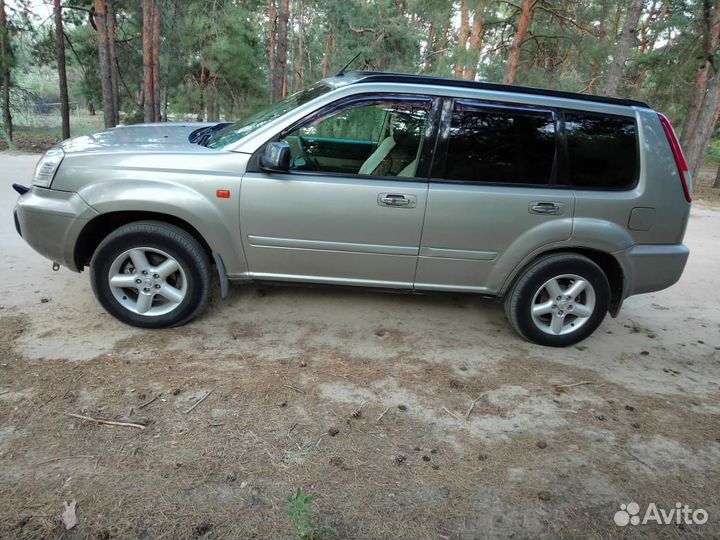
(652, 267)
(50, 221)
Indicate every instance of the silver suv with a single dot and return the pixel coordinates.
(560, 204)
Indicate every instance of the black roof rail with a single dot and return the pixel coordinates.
(406, 78)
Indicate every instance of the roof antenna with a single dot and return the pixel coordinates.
(342, 71)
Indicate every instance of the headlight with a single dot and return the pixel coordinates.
(47, 166)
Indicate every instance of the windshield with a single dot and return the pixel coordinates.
(238, 130)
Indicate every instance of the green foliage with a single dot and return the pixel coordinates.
(215, 58)
(713, 151)
(303, 517)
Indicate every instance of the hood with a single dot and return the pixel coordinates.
(139, 138)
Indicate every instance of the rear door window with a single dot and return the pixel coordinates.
(497, 144)
(602, 150)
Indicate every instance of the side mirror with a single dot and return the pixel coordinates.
(276, 157)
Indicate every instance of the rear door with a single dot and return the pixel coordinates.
(350, 208)
(493, 197)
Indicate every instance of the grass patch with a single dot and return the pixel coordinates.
(304, 519)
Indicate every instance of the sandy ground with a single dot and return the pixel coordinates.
(288, 367)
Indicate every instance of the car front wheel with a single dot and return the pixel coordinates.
(151, 275)
(559, 300)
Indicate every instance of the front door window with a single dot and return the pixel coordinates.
(372, 138)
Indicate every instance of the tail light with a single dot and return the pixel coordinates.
(680, 160)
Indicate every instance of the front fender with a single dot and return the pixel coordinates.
(216, 220)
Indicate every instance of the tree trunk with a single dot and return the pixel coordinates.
(299, 51)
(148, 88)
(463, 35)
(622, 51)
(201, 111)
(648, 40)
(704, 125)
(272, 46)
(711, 31)
(716, 183)
(112, 60)
(165, 107)
(6, 59)
(105, 77)
(477, 34)
(430, 49)
(213, 107)
(156, 30)
(62, 74)
(279, 86)
(526, 15)
(602, 36)
(329, 49)
(696, 99)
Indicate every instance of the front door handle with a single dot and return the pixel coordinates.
(397, 200)
(545, 207)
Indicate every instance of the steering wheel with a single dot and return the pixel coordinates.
(311, 161)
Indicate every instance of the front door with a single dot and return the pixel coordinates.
(350, 209)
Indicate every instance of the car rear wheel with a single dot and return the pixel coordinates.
(151, 275)
(559, 300)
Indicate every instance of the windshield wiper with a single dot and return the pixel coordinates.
(204, 135)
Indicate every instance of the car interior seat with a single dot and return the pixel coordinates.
(397, 154)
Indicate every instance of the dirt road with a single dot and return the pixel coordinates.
(556, 442)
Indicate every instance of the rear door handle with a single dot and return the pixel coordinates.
(545, 207)
(397, 200)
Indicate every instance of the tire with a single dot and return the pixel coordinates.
(174, 275)
(533, 308)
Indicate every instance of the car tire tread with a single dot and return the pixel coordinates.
(169, 237)
(517, 300)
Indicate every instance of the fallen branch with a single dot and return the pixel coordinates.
(299, 390)
(47, 401)
(639, 460)
(451, 413)
(61, 458)
(382, 414)
(149, 402)
(472, 405)
(106, 422)
(573, 384)
(199, 401)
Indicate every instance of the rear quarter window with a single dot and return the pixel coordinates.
(602, 151)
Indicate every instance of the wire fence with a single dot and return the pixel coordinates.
(41, 114)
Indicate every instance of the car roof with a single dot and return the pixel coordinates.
(360, 77)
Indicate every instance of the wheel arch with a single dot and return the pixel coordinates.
(100, 226)
(192, 208)
(606, 261)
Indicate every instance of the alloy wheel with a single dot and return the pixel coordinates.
(563, 304)
(147, 281)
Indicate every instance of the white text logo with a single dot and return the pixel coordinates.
(682, 514)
